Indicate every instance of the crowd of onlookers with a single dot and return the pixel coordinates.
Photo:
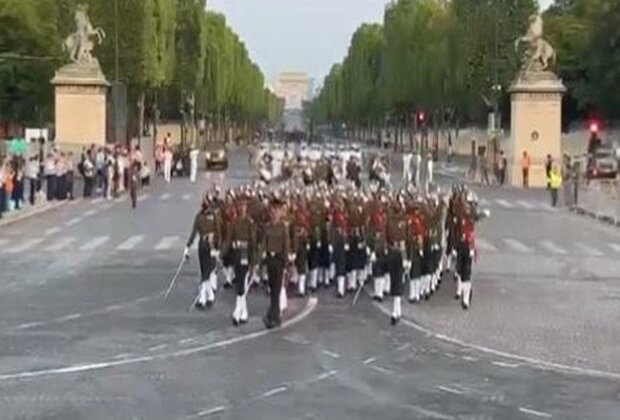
(103, 171)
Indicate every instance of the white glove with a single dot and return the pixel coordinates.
(454, 252)
(331, 249)
(472, 253)
(215, 253)
(308, 247)
(373, 257)
(291, 257)
(346, 247)
(186, 253)
(407, 265)
(421, 253)
(368, 251)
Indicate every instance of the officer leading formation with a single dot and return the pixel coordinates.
(302, 236)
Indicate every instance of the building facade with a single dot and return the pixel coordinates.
(295, 88)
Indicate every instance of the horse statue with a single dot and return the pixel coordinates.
(539, 55)
(79, 45)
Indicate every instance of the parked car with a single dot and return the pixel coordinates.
(216, 156)
(602, 164)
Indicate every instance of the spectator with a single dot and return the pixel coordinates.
(555, 182)
(167, 164)
(99, 164)
(70, 174)
(159, 159)
(61, 174)
(108, 171)
(89, 174)
(525, 169)
(501, 167)
(2, 188)
(18, 183)
(50, 176)
(145, 174)
(32, 174)
(8, 185)
(548, 166)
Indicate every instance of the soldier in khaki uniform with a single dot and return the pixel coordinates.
(208, 227)
(277, 249)
(241, 246)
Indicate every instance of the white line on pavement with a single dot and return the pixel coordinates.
(535, 412)
(94, 243)
(615, 247)
(553, 247)
(504, 203)
(186, 197)
(369, 360)
(25, 246)
(449, 390)
(52, 231)
(209, 412)
(381, 369)
(62, 243)
(517, 246)
(68, 317)
(143, 197)
(326, 375)
(90, 213)
(130, 243)
(165, 197)
(589, 250)
(106, 206)
(74, 221)
(274, 391)
(525, 204)
(87, 367)
(486, 245)
(97, 200)
(166, 243)
(506, 365)
(331, 354)
(159, 347)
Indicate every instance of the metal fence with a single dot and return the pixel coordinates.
(600, 199)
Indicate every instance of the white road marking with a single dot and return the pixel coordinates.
(143, 197)
(165, 197)
(535, 412)
(615, 247)
(589, 250)
(504, 203)
(94, 243)
(97, 200)
(113, 308)
(74, 221)
(485, 245)
(188, 341)
(517, 246)
(273, 392)
(209, 412)
(403, 347)
(331, 354)
(526, 205)
(469, 358)
(449, 390)
(25, 246)
(130, 243)
(50, 231)
(28, 325)
(68, 317)
(538, 363)
(122, 356)
(506, 365)
(61, 244)
(166, 243)
(90, 213)
(369, 360)
(326, 375)
(308, 309)
(381, 369)
(553, 248)
(186, 197)
(106, 206)
(159, 347)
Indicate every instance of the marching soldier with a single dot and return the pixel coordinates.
(301, 241)
(319, 248)
(356, 256)
(229, 214)
(276, 246)
(241, 246)
(377, 245)
(396, 258)
(339, 244)
(466, 254)
(208, 227)
(416, 250)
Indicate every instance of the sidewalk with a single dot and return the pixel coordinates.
(569, 320)
(29, 211)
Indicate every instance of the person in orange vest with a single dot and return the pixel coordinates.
(525, 169)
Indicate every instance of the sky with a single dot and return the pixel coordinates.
(299, 35)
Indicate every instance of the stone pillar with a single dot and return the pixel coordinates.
(536, 125)
(80, 105)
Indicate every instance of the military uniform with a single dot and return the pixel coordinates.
(229, 214)
(464, 262)
(300, 231)
(208, 227)
(276, 245)
(357, 256)
(415, 251)
(377, 245)
(318, 262)
(339, 243)
(397, 248)
(241, 247)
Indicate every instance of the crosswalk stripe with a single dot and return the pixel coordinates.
(553, 248)
(186, 197)
(62, 243)
(94, 243)
(52, 231)
(517, 246)
(166, 243)
(130, 243)
(165, 197)
(615, 247)
(525, 204)
(143, 197)
(588, 250)
(504, 203)
(486, 245)
(90, 213)
(25, 246)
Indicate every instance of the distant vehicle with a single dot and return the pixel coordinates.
(216, 156)
(602, 164)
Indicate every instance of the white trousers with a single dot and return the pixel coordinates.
(193, 169)
(167, 170)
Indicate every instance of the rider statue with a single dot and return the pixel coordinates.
(79, 45)
(539, 55)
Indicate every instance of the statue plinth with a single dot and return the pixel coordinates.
(80, 104)
(536, 124)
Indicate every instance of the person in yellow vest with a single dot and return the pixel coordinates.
(555, 182)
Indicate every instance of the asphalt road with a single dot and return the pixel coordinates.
(85, 333)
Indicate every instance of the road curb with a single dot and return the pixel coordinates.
(37, 211)
(534, 362)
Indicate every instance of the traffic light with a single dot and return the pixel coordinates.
(421, 117)
(594, 127)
